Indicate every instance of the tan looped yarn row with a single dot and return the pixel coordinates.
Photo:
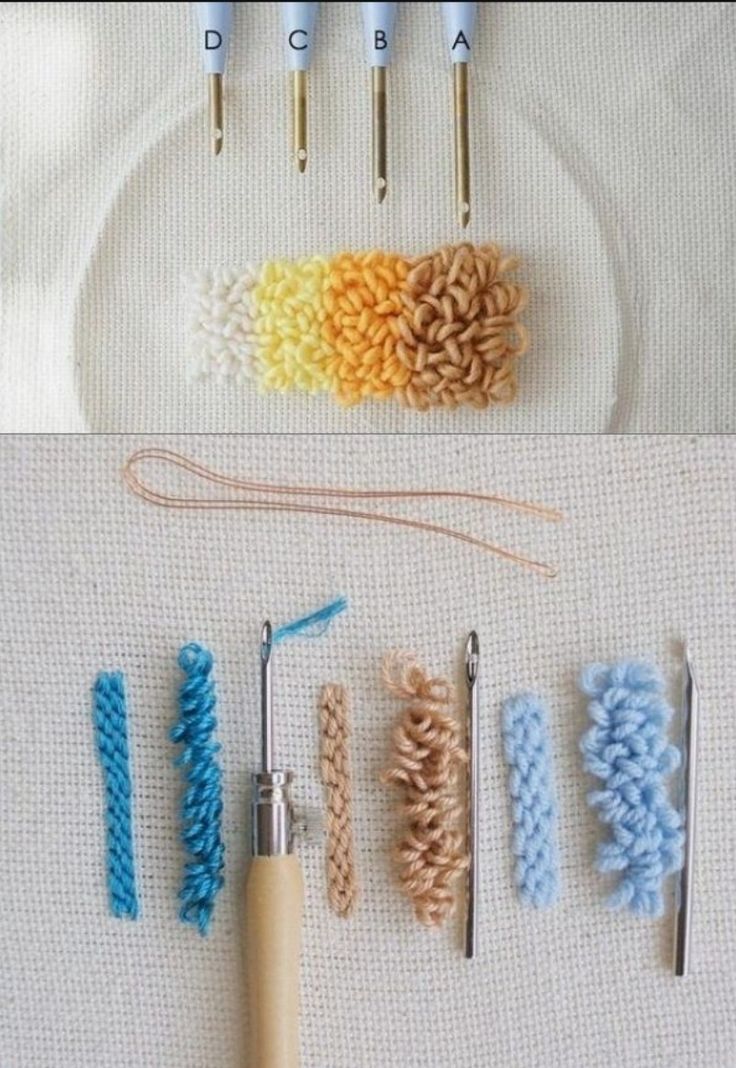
(427, 760)
(461, 336)
(334, 721)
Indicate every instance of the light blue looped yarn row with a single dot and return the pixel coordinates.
(627, 749)
(533, 810)
(111, 734)
(201, 805)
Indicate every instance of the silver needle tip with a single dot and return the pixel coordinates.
(266, 642)
(472, 656)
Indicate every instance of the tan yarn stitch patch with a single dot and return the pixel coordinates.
(335, 768)
(461, 335)
(427, 759)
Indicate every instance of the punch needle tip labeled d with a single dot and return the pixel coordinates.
(215, 24)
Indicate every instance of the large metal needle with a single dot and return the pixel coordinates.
(472, 658)
(684, 892)
(266, 699)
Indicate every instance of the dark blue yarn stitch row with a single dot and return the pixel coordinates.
(201, 806)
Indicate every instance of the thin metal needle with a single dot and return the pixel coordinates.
(462, 143)
(472, 658)
(266, 699)
(299, 104)
(378, 75)
(684, 892)
(216, 120)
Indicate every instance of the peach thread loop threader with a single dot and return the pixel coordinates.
(264, 497)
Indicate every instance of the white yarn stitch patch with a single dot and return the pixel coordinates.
(222, 337)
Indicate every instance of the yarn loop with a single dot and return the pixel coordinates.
(627, 749)
(201, 806)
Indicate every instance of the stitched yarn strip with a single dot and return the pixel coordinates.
(533, 810)
(111, 734)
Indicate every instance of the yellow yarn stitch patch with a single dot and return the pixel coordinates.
(363, 303)
(288, 299)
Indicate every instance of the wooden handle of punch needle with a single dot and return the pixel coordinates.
(274, 899)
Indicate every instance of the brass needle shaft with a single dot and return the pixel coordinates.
(215, 25)
(216, 119)
(299, 23)
(378, 78)
(299, 121)
(378, 23)
(462, 143)
(459, 19)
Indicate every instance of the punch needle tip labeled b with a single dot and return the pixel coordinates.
(378, 24)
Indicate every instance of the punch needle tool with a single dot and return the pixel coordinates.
(459, 19)
(298, 21)
(472, 663)
(274, 900)
(378, 24)
(215, 24)
(684, 890)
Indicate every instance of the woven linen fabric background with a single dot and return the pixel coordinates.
(603, 148)
(94, 578)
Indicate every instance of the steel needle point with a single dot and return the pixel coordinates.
(298, 21)
(684, 891)
(378, 23)
(266, 699)
(215, 24)
(472, 662)
(459, 27)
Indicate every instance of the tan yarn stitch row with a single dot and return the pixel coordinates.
(461, 335)
(334, 720)
(427, 758)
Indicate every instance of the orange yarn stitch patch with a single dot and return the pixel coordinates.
(363, 304)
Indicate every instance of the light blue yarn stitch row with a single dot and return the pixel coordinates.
(201, 805)
(627, 749)
(533, 809)
(313, 625)
(111, 735)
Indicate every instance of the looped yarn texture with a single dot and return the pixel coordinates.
(201, 806)
(627, 749)
(111, 730)
(461, 336)
(334, 721)
(427, 758)
(441, 329)
(529, 756)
